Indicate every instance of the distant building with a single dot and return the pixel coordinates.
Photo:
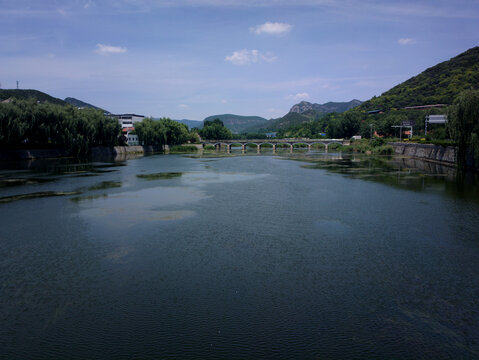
(127, 120)
(270, 134)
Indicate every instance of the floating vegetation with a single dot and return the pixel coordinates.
(78, 199)
(24, 181)
(183, 148)
(105, 185)
(8, 199)
(159, 176)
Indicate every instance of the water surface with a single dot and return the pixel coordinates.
(296, 256)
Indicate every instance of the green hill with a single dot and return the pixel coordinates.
(6, 94)
(81, 104)
(237, 123)
(439, 84)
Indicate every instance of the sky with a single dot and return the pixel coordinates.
(189, 59)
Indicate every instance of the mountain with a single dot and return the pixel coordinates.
(80, 104)
(237, 123)
(326, 108)
(191, 123)
(29, 94)
(439, 84)
(301, 113)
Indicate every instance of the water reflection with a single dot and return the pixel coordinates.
(401, 172)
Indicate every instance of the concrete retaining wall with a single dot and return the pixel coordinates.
(427, 152)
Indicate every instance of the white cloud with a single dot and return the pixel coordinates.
(183, 106)
(298, 96)
(245, 57)
(271, 28)
(108, 49)
(224, 101)
(406, 41)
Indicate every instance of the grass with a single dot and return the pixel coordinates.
(183, 149)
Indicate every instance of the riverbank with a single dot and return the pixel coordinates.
(442, 154)
(96, 152)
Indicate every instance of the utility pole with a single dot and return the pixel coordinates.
(17, 84)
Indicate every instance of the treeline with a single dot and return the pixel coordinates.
(27, 124)
(215, 130)
(357, 122)
(463, 125)
(164, 132)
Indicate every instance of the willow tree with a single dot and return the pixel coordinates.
(463, 125)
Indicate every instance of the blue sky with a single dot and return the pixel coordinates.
(195, 58)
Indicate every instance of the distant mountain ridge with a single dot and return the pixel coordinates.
(303, 112)
(191, 123)
(325, 108)
(238, 123)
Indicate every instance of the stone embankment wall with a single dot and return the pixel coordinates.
(430, 152)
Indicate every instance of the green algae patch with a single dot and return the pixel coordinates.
(159, 176)
(8, 199)
(105, 185)
(24, 181)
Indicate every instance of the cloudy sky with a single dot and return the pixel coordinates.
(194, 58)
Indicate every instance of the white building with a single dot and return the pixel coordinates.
(132, 139)
(128, 120)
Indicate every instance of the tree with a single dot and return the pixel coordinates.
(215, 130)
(463, 125)
(162, 132)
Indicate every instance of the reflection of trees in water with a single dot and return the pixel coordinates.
(404, 173)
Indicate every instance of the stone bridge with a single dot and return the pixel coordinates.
(274, 142)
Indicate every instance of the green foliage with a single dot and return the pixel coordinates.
(162, 132)
(215, 130)
(27, 124)
(344, 125)
(383, 150)
(463, 124)
(36, 95)
(183, 148)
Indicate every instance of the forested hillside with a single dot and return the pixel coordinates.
(81, 104)
(21, 94)
(439, 84)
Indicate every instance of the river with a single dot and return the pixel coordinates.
(302, 256)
